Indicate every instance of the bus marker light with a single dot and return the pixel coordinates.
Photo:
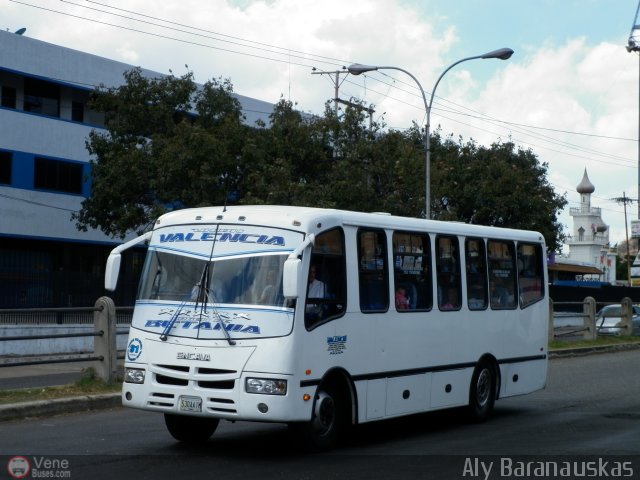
(307, 372)
(306, 397)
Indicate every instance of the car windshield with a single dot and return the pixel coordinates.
(249, 280)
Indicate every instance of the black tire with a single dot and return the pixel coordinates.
(329, 421)
(482, 392)
(190, 429)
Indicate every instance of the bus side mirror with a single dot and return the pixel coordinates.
(291, 277)
(111, 272)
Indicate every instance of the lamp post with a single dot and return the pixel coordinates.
(357, 69)
(634, 46)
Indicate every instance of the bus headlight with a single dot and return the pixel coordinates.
(266, 386)
(134, 375)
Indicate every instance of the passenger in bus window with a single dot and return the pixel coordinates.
(269, 291)
(451, 302)
(315, 289)
(499, 294)
(402, 302)
(477, 300)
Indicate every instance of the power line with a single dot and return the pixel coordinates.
(484, 116)
(166, 37)
(287, 50)
(545, 138)
(39, 204)
(260, 46)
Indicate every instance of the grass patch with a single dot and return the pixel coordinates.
(88, 384)
(598, 342)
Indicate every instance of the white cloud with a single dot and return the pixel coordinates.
(579, 85)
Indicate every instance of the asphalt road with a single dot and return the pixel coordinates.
(591, 407)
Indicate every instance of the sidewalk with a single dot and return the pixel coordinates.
(48, 375)
(44, 375)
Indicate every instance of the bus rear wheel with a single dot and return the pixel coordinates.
(482, 392)
(190, 429)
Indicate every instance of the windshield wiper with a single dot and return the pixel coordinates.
(174, 319)
(197, 288)
(157, 278)
(209, 297)
(214, 312)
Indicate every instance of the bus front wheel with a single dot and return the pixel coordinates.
(482, 392)
(328, 422)
(190, 429)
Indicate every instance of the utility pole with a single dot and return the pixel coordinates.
(336, 96)
(336, 84)
(626, 200)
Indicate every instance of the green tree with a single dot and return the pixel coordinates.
(503, 186)
(289, 161)
(167, 144)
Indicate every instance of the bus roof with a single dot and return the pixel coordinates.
(314, 220)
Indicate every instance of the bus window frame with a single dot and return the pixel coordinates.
(425, 275)
(311, 322)
(365, 266)
(539, 269)
(456, 274)
(484, 274)
(511, 247)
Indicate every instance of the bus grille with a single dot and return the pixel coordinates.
(206, 378)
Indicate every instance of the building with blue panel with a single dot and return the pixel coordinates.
(44, 174)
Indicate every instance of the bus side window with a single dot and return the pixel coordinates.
(448, 271)
(502, 278)
(327, 286)
(373, 270)
(412, 271)
(530, 281)
(476, 267)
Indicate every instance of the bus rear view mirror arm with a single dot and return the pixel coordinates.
(113, 262)
(292, 269)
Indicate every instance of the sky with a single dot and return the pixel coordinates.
(569, 92)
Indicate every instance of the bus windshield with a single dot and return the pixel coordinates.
(248, 280)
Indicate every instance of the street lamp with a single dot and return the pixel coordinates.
(357, 69)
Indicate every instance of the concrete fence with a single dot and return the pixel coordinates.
(579, 319)
(28, 335)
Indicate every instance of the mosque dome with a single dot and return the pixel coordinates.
(585, 186)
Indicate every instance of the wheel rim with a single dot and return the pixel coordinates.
(483, 387)
(325, 414)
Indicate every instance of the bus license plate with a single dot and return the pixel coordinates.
(190, 404)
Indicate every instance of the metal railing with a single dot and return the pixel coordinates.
(105, 355)
(578, 320)
(105, 318)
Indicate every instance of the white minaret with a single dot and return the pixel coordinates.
(590, 240)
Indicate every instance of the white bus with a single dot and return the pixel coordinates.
(325, 318)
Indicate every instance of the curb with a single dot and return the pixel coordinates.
(581, 351)
(58, 406)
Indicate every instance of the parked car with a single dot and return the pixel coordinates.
(609, 320)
